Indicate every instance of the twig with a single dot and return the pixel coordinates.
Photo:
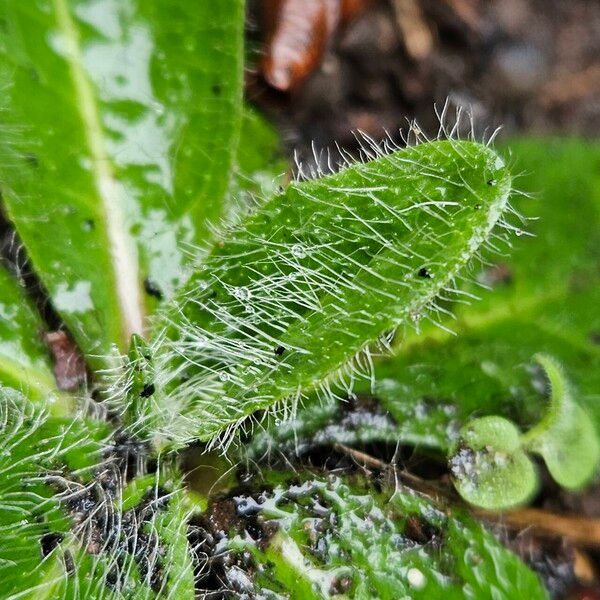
(362, 457)
(583, 566)
(579, 530)
(428, 488)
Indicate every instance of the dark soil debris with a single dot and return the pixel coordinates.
(529, 65)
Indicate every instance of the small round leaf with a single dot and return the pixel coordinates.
(489, 467)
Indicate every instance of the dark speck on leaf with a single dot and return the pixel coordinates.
(32, 160)
(147, 390)
(152, 289)
(49, 541)
(279, 350)
(423, 272)
(216, 89)
(595, 337)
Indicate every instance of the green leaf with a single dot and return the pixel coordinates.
(314, 278)
(546, 301)
(119, 126)
(321, 538)
(161, 568)
(545, 298)
(24, 360)
(470, 543)
(489, 465)
(565, 437)
(322, 423)
(146, 555)
(67, 531)
(385, 417)
(32, 446)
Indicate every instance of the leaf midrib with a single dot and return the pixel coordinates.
(123, 254)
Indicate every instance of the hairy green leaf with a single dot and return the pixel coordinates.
(318, 539)
(119, 128)
(286, 300)
(565, 437)
(544, 298)
(489, 465)
(151, 560)
(36, 454)
(67, 530)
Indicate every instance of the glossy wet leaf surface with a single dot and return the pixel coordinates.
(24, 362)
(286, 300)
(119, 127)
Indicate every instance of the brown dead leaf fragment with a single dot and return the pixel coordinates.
(417, 36)
(297, 34)
(467, 11)
(69, 366)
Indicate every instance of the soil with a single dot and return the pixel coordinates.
(532, 66)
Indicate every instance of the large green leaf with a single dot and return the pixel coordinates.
(24, 361)
(319, 539)
(545, 298)
(119, 128)
(287, 299)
